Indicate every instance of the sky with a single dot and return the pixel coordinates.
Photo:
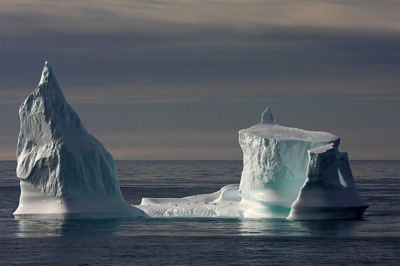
(170, 79)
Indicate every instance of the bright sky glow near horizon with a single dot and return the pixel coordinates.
(176, 79)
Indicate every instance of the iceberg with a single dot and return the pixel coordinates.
(275, 160)
(287, 173)
(64, 171)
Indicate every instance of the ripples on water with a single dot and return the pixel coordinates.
(183, 241)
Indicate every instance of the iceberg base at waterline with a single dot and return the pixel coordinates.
(36, 204)
(228, 203)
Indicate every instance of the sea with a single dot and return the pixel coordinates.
(374, 240)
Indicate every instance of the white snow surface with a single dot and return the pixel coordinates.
(270, 129)
(59, 162)
(224, 203)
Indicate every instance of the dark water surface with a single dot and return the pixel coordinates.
(205, 241)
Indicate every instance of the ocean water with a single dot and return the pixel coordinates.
(205, 241)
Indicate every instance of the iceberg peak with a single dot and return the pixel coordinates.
(267, 118)
(47, 73)
(52, 135)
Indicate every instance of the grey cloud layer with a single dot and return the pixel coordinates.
(217, 60)
(207, 66)
(110, 16)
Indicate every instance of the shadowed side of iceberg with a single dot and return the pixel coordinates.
(64, 171)
(329, 192)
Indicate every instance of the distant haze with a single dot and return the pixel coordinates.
(179, 79)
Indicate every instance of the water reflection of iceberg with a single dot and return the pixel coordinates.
(281, 227)
(39, 228)
(332, 228)
(50, 228)
(270, 227)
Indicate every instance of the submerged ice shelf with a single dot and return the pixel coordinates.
(64, 171)
(223, 203)
(287, 173)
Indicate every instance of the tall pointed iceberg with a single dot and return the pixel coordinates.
(63, 170)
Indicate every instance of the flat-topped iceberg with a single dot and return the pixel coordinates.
(276, 167)
(275, 160)
(64, 171)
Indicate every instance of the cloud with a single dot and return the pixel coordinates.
(163, 51)
(198, 153)
(375, 97)
(7, 154)
(370, 143)
(204, 66)
(105, 16)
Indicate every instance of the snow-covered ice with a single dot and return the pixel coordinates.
(276, 165)
(205, 205)
(64, 171)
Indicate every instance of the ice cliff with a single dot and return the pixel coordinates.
(275, 159)
(63, 170)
